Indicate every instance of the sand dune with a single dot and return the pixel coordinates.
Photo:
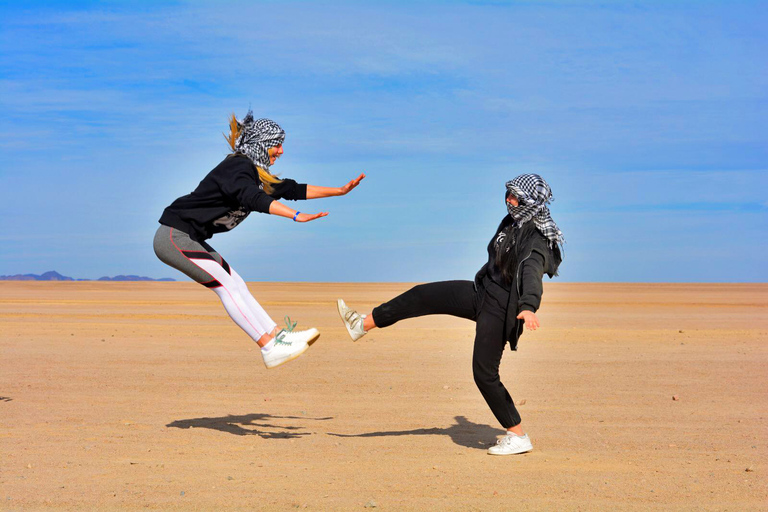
(127, 396)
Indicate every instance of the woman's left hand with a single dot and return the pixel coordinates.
(530, 319)
(346, 189)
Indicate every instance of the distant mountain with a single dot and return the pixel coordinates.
(48, 276)
(133, 278)
(55, 276)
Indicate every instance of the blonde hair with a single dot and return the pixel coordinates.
(267, 179)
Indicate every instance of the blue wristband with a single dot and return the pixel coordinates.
(295, 215)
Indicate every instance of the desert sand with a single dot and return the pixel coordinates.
(145, 396)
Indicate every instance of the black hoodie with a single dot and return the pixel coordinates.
(534, 258)
(224, 199)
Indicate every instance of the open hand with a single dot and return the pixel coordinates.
(530, 319)
(352, 184)
(306, 217)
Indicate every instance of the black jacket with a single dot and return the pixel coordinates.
(534, 259)
(224, 199)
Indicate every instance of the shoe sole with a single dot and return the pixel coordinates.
(313, 339)
(340, 305)
(294, 356)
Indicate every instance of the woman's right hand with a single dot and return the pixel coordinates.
(306, 217)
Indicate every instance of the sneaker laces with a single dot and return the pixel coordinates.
(289, 327)
(507, 439)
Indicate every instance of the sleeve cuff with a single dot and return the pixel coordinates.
(526, 307)
(263, 205)
(301, 191)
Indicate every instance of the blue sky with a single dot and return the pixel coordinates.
(649, 120)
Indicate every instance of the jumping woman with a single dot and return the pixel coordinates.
(240, 184)
(503, 298)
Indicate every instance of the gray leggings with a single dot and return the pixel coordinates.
(175, 248)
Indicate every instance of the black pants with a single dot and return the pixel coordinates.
(487, 307)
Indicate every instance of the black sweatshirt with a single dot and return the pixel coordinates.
(534, 259)
(224, 198)
(494, 272)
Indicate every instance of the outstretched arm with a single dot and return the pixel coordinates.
(279, 209)
(314, 192)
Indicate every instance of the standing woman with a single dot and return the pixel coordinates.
(504, 297)
(240, 184)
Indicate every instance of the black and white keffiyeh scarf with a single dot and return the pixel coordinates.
(256, 137)
(533, 194)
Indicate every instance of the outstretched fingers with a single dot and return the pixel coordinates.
(352, 184)
(306, 217)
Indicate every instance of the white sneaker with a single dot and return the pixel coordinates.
(289, 346)
(353, 320)
(309, 336)
(511, 444)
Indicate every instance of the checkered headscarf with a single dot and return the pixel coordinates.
(533, 194)
(256, 137)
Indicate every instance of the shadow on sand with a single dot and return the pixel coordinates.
(238, 425)
(5, 399)
(463, 433)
